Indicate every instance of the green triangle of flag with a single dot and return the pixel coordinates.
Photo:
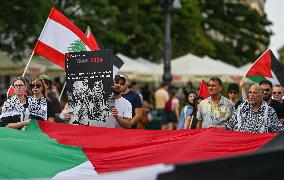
(32, 154)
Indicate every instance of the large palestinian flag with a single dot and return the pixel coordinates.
(63, 151)
(266, 67)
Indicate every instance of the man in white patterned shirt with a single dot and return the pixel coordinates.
(254, 115)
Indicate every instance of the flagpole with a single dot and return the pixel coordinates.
(24, 73)
(61, 93)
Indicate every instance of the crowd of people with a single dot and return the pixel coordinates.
(260, 110)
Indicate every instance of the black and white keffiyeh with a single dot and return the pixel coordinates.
(246, 120)
(38, 108)
(13, 107)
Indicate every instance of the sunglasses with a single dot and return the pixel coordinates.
(18, 86)
(233, 92)
(35, 86)
(276, 92)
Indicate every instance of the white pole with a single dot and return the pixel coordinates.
(24, 73)
(60, 96)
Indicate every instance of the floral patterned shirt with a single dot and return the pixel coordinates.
(214, 115)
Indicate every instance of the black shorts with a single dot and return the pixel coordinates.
(170, 117)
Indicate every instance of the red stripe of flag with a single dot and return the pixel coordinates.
(111, 149)
(51, 54)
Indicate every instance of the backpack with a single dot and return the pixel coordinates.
(168, 105)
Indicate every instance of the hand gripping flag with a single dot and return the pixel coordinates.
(266, 67)
(60, 36)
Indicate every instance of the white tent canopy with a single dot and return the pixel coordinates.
(191, 67)
(138, 70)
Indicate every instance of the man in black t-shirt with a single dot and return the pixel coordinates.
(266, 86)
(135, 101)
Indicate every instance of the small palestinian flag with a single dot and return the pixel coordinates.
(266, 67)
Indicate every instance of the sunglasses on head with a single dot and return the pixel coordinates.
(35, 86)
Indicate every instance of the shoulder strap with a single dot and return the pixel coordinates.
(185, 109)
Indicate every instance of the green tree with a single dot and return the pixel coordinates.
(281, 55)
(238, 32)
(20, 24)
(136, 28)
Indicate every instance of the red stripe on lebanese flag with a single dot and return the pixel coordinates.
(61, 35)
(51, 54)
(110, 149)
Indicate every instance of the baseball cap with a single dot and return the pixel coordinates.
(119, 77)
(44, 77)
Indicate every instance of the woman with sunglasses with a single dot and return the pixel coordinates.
(40, 108)
(15, 111)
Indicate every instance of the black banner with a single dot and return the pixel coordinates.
(89, 79)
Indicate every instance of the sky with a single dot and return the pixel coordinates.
(275, 13)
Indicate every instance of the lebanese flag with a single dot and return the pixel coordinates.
(60, 36)
(267, 67)
(54, 150)
(203, 90)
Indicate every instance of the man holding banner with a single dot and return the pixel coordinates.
(122, 112)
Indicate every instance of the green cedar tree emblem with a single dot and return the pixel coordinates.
(77, 46)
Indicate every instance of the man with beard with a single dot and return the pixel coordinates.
(266, 86)
(215, 110)
(254, 115)
(122, 112)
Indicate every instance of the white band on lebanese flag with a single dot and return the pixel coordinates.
(60, 34)
(58, 17)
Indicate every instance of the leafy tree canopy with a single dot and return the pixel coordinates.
(232, 32)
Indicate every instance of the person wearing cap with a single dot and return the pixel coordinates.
(135, 101)
(233, 94)
(51, 96)
(122, 112)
